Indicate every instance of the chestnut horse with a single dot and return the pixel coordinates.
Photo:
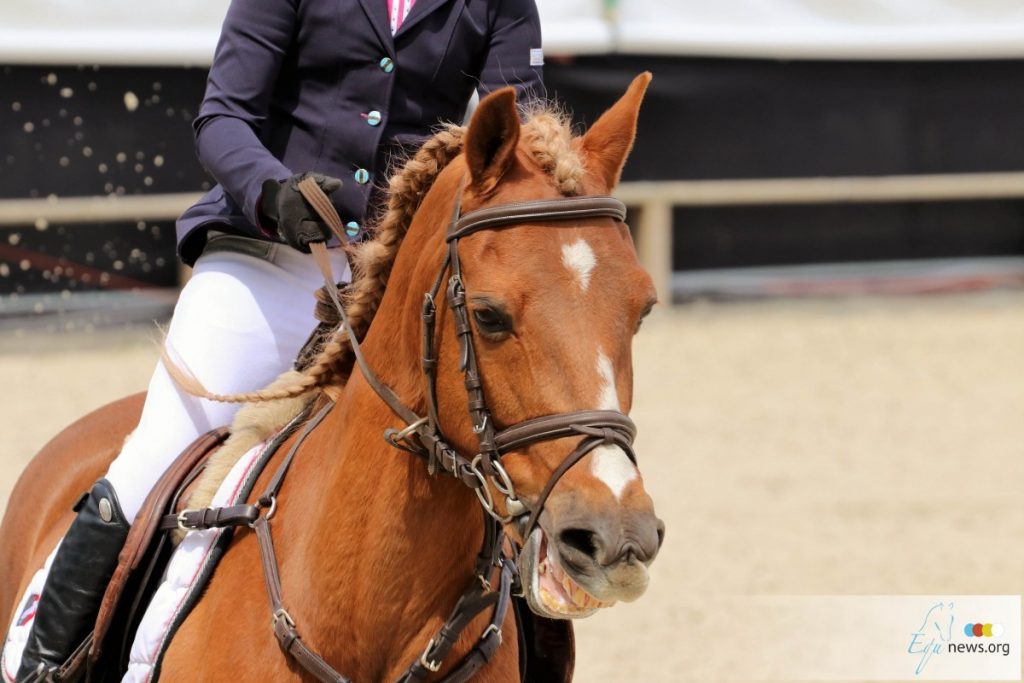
(374, 552)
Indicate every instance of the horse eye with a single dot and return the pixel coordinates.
(646, 312)
(492, 322)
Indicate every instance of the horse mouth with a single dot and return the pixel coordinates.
(550, 591)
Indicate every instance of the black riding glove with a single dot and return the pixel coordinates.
(295, 220)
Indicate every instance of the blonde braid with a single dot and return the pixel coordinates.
(185, 379)
(548, 138)
(372, 261)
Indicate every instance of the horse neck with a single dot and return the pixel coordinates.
(386, 549)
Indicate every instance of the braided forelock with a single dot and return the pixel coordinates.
(547, 134)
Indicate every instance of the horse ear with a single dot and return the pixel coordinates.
(608, 142)
(492, 138)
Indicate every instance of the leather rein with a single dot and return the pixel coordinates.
(422, 436)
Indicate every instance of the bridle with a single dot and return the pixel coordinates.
(599, 426)
(424, 437)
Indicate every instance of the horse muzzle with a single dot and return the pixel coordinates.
(571, 570)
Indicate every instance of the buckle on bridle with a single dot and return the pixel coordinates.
(513, 505)
(405, 433)
(491, 628)
(429, 664)
(481, 491)
(279, 615)
(399, 437)
(270, 512)
(183, 520)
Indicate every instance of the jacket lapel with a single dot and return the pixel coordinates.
(377, 12)
(421, 9)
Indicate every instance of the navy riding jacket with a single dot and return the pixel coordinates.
(322, 85)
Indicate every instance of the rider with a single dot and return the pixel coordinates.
(331, 88)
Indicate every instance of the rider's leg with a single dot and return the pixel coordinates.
(238, 324)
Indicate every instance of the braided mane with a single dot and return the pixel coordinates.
(546, 136)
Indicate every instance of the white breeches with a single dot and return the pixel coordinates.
(239, 323)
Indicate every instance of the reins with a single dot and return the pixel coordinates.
(423, 437)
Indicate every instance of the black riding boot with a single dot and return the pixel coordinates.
(74, 588)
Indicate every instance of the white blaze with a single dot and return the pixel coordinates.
(610, 464)
(579, 258)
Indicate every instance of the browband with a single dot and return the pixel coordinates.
(565, 208)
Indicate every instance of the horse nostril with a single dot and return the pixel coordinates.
(661, 533)
(581, 540)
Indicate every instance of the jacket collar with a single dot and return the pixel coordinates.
(377, 12)
(419, 11)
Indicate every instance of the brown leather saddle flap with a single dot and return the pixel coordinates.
(178, 477)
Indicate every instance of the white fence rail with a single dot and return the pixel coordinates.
(655, 201)
(109, 209)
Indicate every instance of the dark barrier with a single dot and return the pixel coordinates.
(93, 131)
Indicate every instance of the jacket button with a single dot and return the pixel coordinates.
(362, 176)
(387, 65)
(373, 117)
(351, 228)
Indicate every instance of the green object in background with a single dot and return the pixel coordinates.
(610, 8)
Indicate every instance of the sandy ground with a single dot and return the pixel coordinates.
(859, 446)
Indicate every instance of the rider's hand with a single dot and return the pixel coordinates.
(295, 220)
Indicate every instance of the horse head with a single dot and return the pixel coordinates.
(552, 308)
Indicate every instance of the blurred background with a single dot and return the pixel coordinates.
(915, 106)
(831, 193)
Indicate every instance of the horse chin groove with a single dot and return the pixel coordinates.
(550, 592)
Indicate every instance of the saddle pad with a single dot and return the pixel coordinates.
(17, 634)
(187, 573)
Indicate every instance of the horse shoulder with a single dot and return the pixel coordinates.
(227, 635)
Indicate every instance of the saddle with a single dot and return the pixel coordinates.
(546, 647)
(139, 569)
